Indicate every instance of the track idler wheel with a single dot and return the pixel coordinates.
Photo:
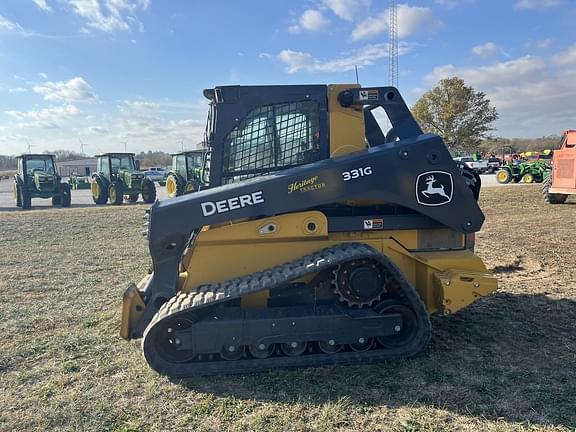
(406, 332)
(232, 352)
(261, 351)
(167, 344)
(360, 282)
(363, 344)
(293, 349)
(329, 346)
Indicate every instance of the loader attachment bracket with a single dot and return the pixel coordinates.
(457, 289)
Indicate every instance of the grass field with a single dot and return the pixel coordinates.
(507, 363)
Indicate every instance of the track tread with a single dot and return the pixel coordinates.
(186, 304)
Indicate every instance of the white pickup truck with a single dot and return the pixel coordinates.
(156, 174)
(480, 166)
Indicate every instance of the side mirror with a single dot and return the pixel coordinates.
(137, 163)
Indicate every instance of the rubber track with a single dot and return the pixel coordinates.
(184, 305)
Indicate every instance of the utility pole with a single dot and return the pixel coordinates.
(393, 45)
(125, 145)
(81, 145)
(29, 146)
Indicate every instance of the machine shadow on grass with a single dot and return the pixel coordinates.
(508, 357)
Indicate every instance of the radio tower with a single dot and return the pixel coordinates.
(393, 45)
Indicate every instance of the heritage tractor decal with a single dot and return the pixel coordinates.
(306, 185)
(434, 188)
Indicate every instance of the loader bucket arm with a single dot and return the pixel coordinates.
(396, 173)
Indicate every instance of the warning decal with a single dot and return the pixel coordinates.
(373, 224)
(369, 94)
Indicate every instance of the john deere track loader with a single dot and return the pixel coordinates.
(320, 240)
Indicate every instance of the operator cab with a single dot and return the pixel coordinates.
(257, 130)
(30, 163)
(110, 163)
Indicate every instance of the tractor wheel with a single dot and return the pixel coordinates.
(174, 186)
(133, 198)
(191, 186)
(551, 198)
(528, 178)
(503, 176)
(65, 195)
(116, 193)
(148, 191)
(17, 197)
(25, 198)
(99, 190)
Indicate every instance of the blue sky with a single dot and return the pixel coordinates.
(115, 73)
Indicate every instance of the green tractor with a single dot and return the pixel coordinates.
(186, 173)
(527, 172)
(37, 178)
(117, 177)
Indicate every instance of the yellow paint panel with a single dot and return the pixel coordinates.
(346, 124)
(236, 250)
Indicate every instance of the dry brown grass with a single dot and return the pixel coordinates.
(505, 364)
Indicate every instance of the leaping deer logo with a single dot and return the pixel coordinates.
(434, 188)
(431, 190)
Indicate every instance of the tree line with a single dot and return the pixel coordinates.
(462, 116)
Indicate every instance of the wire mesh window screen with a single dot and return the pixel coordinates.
(271, 138)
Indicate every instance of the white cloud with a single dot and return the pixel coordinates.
(505, 73)
(42, 5)
(17, 90)
(97, 130)
(10, 27)
(43, 75)
(534, 95)
(109, 15)
(410, 20)
(453, 3)
(544, 43)
(347, 9)
(138, 111)
(150, 121)
(138, 106)
(567, 57)
(485, 50)
(47, 118)
(537, 4)
(77, 89)
(310, 21)
(296, 61)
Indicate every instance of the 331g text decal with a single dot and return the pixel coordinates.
(356, 173)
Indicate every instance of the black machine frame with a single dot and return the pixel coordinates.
(391, 172)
